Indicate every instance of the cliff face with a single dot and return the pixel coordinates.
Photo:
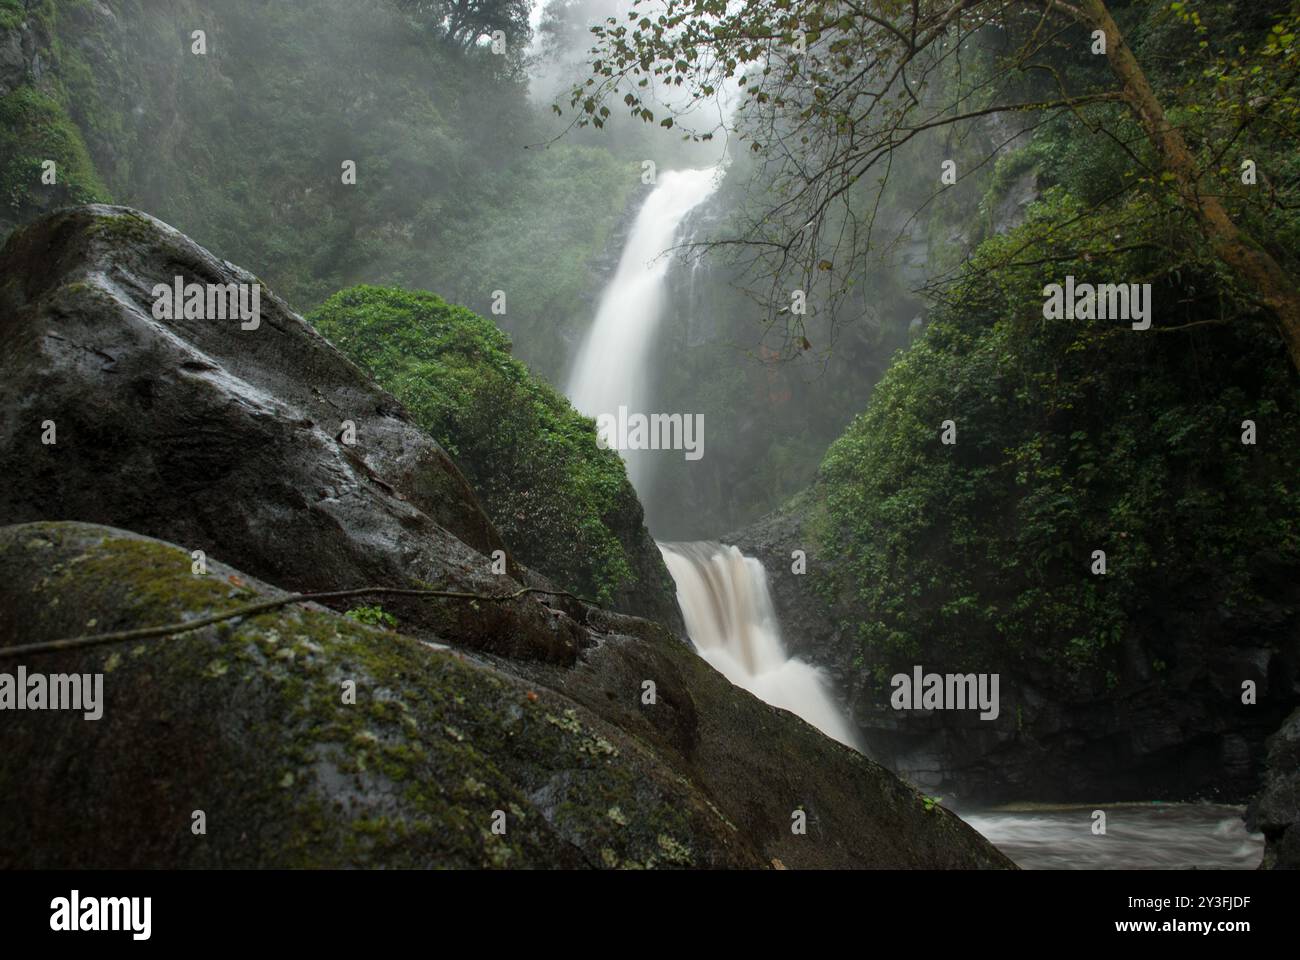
(45, 160)
(130, 440)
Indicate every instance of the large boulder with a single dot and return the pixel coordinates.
(249, 721)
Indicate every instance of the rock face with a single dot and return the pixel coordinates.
(1184, 735)
(200, 435)
(36, 123)
(17, 58)
(1276, 810)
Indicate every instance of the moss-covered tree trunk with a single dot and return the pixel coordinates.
(1276, 287)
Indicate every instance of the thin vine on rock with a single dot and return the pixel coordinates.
(145, 633)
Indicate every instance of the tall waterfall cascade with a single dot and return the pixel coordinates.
(612, 366)
(722, 593)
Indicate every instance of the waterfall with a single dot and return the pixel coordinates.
(729, 616)
(611, 369)
(723, 594)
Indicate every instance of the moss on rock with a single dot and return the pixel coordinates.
(248, 721)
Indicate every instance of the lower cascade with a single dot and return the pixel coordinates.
(729, 616)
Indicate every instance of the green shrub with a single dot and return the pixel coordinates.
(375, 616)
(557, 498)
(35, 128)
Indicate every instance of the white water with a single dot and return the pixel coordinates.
(1146, 836)
(723, 594)
(612, 368)
(729, 616)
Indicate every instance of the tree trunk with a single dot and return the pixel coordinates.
(1277, 290)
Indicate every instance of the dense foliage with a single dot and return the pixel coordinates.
(561, 502)
(1071, 436)
(1078, 435)
(34, 130)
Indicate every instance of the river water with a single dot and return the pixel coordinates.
(1139, 836)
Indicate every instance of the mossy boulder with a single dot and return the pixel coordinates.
(762, 765)
(247, 721)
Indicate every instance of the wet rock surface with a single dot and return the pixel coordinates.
(1276, 810)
